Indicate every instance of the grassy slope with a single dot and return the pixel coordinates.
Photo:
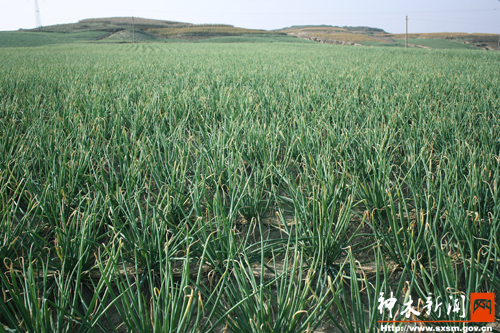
(345, 37)
(208, 31)
(254, 39)
(112, 24)
(435, 43)
(129, 36)
(117, 30)
(372, 43)
(364, 36)
(28, 39)
(31, 39)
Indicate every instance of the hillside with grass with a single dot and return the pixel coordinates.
(37, 38)
(448, 39)
(208, 31)
(112, 24)
(138, 30)
(368, 36)
(333, 34)
(143, 30)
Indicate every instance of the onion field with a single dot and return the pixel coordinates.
(244, 187)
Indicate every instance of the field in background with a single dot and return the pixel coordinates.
(208, 31)
(179, 187)
(376, 37)
(30, 39)
(141, 30)
(254, 38)
(204, 35)
(345, 37)
(112, 24)
(450, 39)
(334, 35)
(435, 43)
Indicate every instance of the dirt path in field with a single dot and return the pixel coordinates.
(419, 46)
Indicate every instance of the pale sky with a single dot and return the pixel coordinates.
(424, 15)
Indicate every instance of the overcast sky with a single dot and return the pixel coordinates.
(424, 15)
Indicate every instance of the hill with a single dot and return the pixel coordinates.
(111, 24)
(205, 31)
(334, 34)
(143, 30)
(128, 29)
(39, 38)
(368, 36)
(357, 29)
(149, 29)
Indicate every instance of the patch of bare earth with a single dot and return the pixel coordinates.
(304, 35)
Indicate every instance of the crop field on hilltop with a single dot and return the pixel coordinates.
(245, 187)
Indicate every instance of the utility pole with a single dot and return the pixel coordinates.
(133, 30)
(406, 40)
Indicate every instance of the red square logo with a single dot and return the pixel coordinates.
(482, 307)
